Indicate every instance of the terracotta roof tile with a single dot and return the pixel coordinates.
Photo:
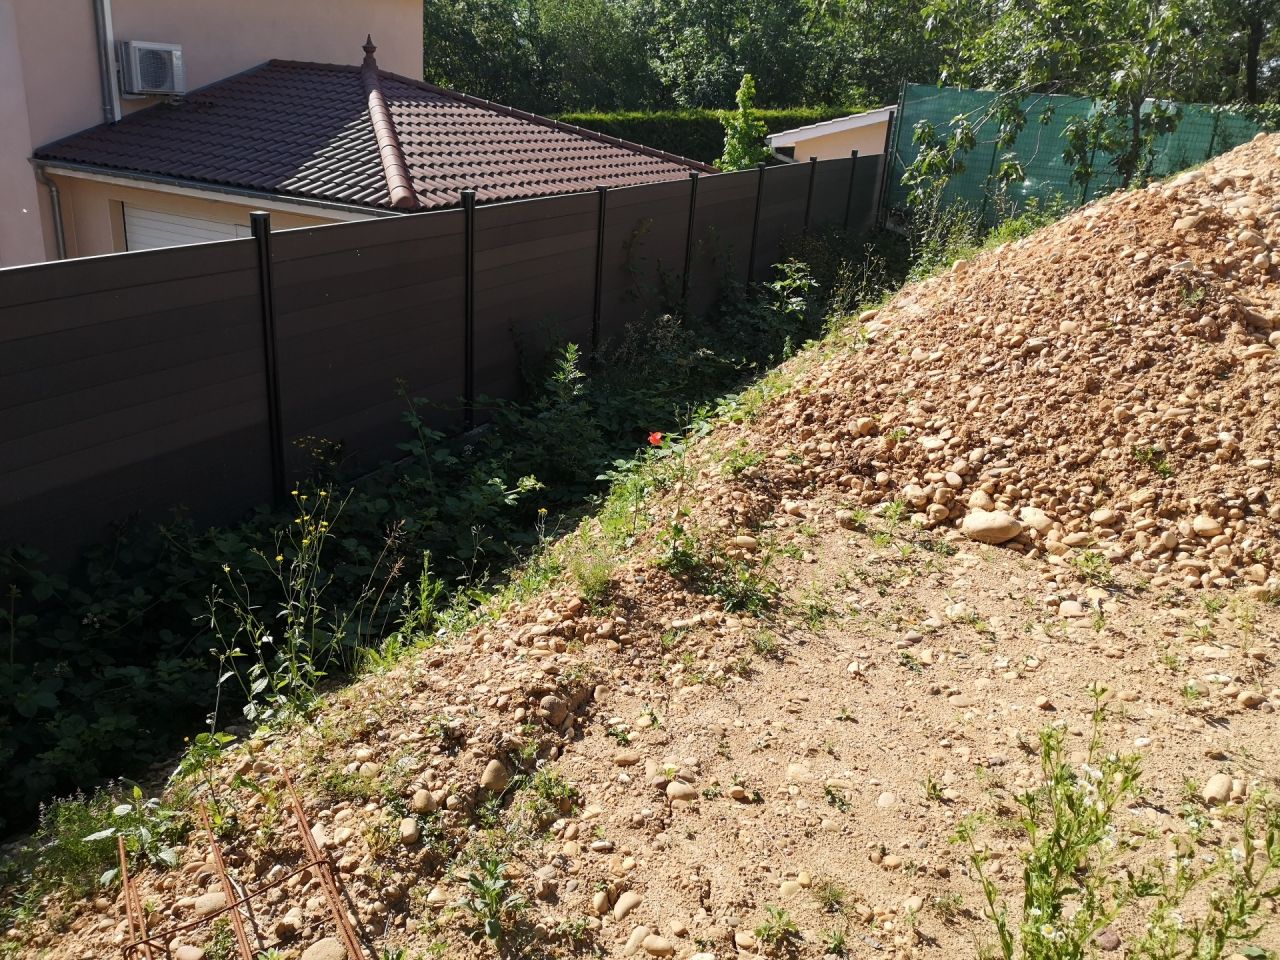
(305, 130)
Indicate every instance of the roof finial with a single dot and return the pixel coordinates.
(369, 48)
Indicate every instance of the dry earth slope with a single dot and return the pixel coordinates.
(1049, 468)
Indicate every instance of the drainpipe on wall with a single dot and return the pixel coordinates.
(55, 203)
(106, 60)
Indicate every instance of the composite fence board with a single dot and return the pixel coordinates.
(644, 243)
(141, 389)
(831, 192)
(722, 234)
(363, 311)
(136, 382)
(867, 179)
(535, 269)
(786, 190)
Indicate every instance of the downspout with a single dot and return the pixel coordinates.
(106, 60)
(55, 204)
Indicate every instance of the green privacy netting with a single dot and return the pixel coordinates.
(1203, 133)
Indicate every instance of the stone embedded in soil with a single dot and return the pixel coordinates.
(990, 526)
(422, 802)
(326, 949)
(1217, 791)
(410, 831)
(496, 776)
(679, 790)
(188, 952)
(1107, 939)
(626, 758)
(657, 946)
(208, 904)
(628, 900)
(634, 941)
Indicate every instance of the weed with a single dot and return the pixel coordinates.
(1154, 458)
(1071, 887)
(778, 929)
(1092, 566)
(833, 942)
(621, 734)
(933, 790)
(492, 901)
(815, 607)
(555, 791)
(950, 907)
(895, 513)
(222, 941)
(740, 458)
(1213, 605)
(830, 895)
(837, 799)
(765, 643)
(592, 572)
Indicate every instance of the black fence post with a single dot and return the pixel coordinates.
(808, 203)
(891, 133)
(688, 237)
(261, 223)
(755, 223)
(602, 192)
(848, 199)
(469, 307)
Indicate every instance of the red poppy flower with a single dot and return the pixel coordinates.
(655, 439)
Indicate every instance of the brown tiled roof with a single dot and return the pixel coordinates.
(359, 135)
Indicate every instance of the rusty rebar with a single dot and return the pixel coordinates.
(132, 905)
(228, 889)
(327, 880)
(143, 944)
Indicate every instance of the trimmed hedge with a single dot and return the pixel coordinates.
(696, 134)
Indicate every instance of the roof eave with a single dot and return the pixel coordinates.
(208, 187)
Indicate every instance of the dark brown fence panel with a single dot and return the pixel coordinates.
(130, 384)
(364, 312)
(722, 234)
(644, 243)
(830, 193)
(866, 192)
(535, 284)
(786, 190)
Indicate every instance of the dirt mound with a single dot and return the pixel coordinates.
(1109, 384)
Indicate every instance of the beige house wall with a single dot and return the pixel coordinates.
(49, 75)
(867, 140)
(225, 37)
(93, 212)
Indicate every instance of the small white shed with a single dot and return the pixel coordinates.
(831, 139)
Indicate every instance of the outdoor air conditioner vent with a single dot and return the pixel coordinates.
(152, 69)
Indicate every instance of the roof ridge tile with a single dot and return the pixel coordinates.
(399, 182)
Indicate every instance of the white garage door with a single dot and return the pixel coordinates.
(147, 229)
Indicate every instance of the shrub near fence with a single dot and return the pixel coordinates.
(195, 375)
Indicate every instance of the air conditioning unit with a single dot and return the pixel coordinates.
(152, 69)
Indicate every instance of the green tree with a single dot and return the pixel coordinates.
(1131, 57)
(744, 131)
